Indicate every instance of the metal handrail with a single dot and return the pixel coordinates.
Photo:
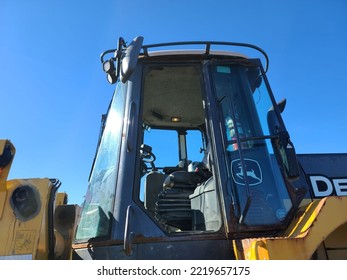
(207, 47)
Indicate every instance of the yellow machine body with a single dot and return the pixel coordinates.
(319, 231)
(26, 238)
(29, 225)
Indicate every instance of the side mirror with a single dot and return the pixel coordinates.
(129, 60)
(272, 119)
(283, 147)
(124, 61)
(282, 105)
(288, 155)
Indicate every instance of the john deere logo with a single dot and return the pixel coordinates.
(251, 171)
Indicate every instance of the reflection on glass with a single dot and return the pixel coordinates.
(98, 203)
(258, 187)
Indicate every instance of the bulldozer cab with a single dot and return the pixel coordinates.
(193, 153)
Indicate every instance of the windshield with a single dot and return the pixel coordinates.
(98, 204)
(257, 185)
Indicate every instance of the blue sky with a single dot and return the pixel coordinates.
(53, 90)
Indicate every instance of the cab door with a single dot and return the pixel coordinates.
(258, 177)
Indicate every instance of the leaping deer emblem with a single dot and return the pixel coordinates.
(250, 173)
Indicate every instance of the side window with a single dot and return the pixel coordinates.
(195, 145)
(164, 155)
(164, 146)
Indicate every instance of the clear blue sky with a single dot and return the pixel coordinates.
(53, 90)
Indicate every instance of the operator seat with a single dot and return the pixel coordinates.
(174, 205)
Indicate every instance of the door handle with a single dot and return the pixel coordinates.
(128, 234)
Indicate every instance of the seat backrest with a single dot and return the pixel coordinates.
(182, 180)
(153, 186)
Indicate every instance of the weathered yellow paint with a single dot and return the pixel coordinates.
(312, 225)
(20, 236)
(65, 222)
(60, 199)
(42, 250)
(28, 237)
(4, 174)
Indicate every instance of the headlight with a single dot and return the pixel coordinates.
(24, 202)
